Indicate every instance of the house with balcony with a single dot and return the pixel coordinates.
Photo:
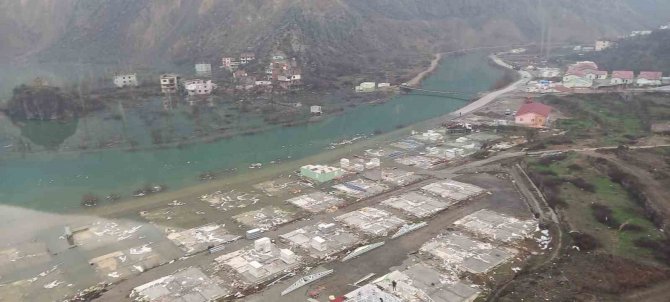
(199, 87)
(170, 83)
(126, 80)
(247, 57)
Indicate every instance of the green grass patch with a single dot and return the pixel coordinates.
(606, 193)
(608, 118)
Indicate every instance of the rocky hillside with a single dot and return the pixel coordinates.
(332, 37)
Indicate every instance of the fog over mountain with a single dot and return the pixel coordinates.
(333, 37)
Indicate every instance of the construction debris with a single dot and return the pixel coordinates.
(498, 227)
(361, 188)
(416, 204)
(190, 284)
(265, 218)
(458, 253)
(453, 190)
(371, 221)
(316, 202)
(199, 239)
(261, 262)
(322, 240)
(420, 161)
(420, 283)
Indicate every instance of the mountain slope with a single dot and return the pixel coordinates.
(332, 37)
(642, 53)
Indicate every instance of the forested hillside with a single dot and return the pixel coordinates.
(642, 53)
(332, 38)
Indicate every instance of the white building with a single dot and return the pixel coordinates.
(366, 87)
(263, 83)
(199, 87)
(170, 83)
(203, 69)
(320, 173)
(602, 45)
(649, 78)
(622, 77)
(640, 33)
(125, 80)
(316, 110)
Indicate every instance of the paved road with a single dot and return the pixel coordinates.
(490, 97)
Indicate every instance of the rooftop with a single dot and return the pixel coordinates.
(650, 75)
(537, 108)
(623, 74)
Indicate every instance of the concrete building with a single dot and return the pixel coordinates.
(366, 87)
(535, 115)
(649, 78)
(229, 63)
(622, 77)
(126, 80)
(199, 87)
(170, 83)
(316, 110)
(247, 57)
(203, 69)
(602, 45)
(320, 173)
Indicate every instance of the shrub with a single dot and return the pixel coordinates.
(481, 154)
(659, 248)
(603, 214)
(575, 167)
(631, 227)
(584, 241)
(583, 184)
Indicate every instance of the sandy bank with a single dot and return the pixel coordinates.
(419, 77)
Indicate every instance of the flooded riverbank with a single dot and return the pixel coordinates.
(56, 181)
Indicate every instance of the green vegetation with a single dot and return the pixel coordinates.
(38, 102)
(610, 119)
(594, 202)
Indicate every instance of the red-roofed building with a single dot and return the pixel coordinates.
(620, 77)
(582, 74)
(649, 78)
(534, 115)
